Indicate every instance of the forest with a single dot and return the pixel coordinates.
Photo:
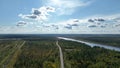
(77, 55)
(38, 54)
(34, 53)
(112, 41)
(43, 52)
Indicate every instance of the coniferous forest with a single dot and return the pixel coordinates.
(43, 53)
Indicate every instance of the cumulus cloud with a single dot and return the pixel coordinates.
(90, 22)
(103, 26)
(36, 11)
(117, 25)
(51, 26)
(104, 21)
(100, 19)
(30, 16)
(21, 23)
(55, 26)
(74, 25)
(27, 16)
(96, 20)
(69, 24)
(68, 27)
(41, 13)
(92, 26)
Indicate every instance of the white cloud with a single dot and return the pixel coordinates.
(67, 7)
(99, 24)
(70, 22)
(40, 14)
(92, 26)
(68, 3)
(21, 23)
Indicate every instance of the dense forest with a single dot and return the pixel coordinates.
(78, 55)
(112, 41)
(44, 53)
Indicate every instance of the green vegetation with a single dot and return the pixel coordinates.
(78, 55)
(7, 51)
(113, 41)
(44, 53)
(38, 54)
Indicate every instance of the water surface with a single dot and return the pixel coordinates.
(92, 44)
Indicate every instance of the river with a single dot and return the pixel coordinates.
(92, 44)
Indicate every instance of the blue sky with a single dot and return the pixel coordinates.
(60, 17)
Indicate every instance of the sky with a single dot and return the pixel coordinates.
(59, 17)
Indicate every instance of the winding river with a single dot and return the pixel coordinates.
(92, 44)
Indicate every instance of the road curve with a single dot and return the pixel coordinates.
(61, 55)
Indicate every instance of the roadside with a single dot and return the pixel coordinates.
(61, 55)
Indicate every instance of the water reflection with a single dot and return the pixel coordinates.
(92, 44)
